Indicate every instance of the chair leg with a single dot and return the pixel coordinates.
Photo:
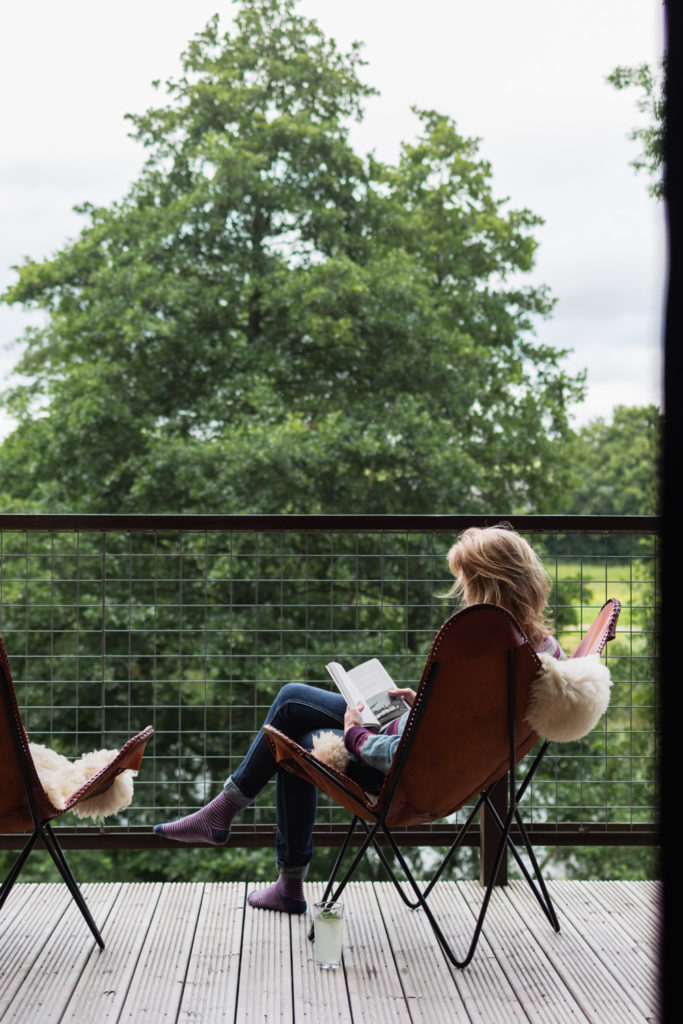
(453, 849)
(52, 846)
(371, 831)
(420, 897)
(340, 856)
(412, 904)
(422, 901)
(335, 869)
(537, 884)
(438, 933)
(543, 897)
(370, 839)
(16, 868)
(455, 846)
(57, 854)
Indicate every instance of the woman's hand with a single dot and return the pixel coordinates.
(407, 694)
(352, 716)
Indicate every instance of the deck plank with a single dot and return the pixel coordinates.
(265, 992)
(429, 987)
(620, 953)
(48, 986)
(484, 987)
(212, 983)
(191, 952)
(636, 913)
(103, 986)
(539, 988)
(605, 995)
(31, 916)
(372, 979)
(156, 986)
(316, 994)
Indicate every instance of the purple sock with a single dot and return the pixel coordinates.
(286, 895)
(210, 825)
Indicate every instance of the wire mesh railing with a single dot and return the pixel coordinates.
(192, 624)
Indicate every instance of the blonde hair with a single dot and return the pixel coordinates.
(494, 565)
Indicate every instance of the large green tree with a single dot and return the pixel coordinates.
(617, 464)
(270, 322)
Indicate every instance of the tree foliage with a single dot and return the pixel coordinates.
(270, 322)
(650, 84)
(617, 464)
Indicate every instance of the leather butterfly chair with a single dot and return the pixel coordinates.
(24, 804)
(465, 731)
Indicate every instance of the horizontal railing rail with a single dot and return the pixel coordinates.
(96, 523)
(192, 623)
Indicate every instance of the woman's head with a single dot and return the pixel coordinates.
(494, 565)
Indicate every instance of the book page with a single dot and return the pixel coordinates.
(370, 678)
(343, 683)
(370, 683)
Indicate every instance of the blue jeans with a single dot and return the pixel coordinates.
(298, 711)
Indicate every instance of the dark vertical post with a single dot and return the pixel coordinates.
(672, 555)
(489, 834)
(502, 794)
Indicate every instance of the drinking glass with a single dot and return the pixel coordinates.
(328, 922)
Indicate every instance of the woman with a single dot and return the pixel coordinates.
(493, 565)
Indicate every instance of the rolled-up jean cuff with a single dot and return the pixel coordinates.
(234, 793)
(292, 871)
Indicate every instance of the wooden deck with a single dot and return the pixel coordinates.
(197, 953)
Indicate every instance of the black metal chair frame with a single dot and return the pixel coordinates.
(42, 830)
(380, 829)
(33, 807)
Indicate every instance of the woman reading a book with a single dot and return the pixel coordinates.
(492, 566)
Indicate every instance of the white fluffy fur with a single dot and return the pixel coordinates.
(61, 777)
(329, 748)
(568, 697)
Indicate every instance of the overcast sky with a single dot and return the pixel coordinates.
(528, 78)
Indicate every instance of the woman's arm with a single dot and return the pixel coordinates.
(355, 733)
(376, 749)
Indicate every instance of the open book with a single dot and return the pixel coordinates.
(370, 683)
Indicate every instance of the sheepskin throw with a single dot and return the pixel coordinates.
(329, 748)
(61, 777)
(568, 697)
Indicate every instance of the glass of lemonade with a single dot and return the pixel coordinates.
(328, 922)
